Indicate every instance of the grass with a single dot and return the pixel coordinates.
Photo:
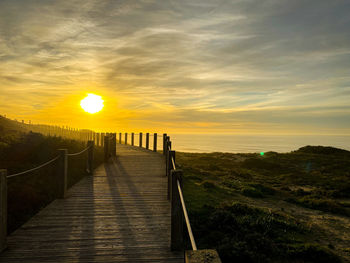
(291, 207)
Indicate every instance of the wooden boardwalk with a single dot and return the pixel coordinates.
(120, 214)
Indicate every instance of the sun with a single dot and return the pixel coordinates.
(92, 103)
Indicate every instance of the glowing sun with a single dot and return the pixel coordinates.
(92, 103)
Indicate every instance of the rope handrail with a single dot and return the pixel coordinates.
(183, 205)
(75, 154)
(172, 160)
(188, 224)
(34, 169)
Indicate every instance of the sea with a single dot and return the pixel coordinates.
(204, 143)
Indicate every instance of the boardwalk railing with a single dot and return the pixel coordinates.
(147, 141)
(61, 165)
(108, 140)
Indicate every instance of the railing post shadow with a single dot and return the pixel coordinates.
(132, 139)
(3, 209)
(120, 138)
(177, 239)
(155, 142)
(90, 158)
(62, 170)
(140, 142)
(126, 138)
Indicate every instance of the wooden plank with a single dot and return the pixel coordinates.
(118, 214)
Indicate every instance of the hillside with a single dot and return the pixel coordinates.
(10, 131)
(292, 207)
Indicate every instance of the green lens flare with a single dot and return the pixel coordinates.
(262, 153)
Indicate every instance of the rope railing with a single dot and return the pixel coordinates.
(60, 172)
(175, 182)
(188, 224)
(78, 153)
(172, 160)
(34, 169)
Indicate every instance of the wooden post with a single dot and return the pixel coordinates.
(126, 138)
(3, 209)
(120, 137)
(114, 148)
(132, 139)
(177, 242)
(169, 167)
(164, 143)
(97, 139)
(90, 158)
(106, 147)
(140, 142)
(155, 142)
(62, 173)
(147, 140)
(168, 144)
(102, 139)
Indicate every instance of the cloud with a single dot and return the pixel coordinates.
(217, 59)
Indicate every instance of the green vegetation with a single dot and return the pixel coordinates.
(292, 207)
(21, 150)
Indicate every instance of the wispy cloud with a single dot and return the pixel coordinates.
(224, 65)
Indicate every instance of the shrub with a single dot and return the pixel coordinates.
(252, 192)
(325, 205)
(208, 185)
(242, 233)
(301, 192)
(312, 253)
(323, 150)
(264, 189)
(194, 178)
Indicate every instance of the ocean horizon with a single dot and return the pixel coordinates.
(204, 143)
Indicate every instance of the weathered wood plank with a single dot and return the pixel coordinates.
(119, 214)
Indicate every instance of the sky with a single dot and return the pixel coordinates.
(180, 66)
